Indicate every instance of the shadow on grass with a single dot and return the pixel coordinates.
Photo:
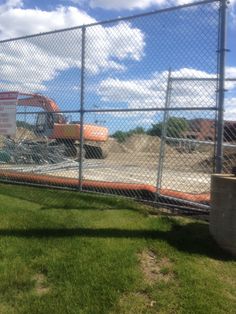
(193, 238)
(66, 199)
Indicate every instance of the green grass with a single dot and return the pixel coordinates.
(65, 252)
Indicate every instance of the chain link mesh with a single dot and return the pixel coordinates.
(150, 81)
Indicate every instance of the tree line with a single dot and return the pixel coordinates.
(175, 127)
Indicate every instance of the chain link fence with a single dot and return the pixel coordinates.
(129, 106)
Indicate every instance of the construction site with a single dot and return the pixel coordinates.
(107, 107)
(134, 161)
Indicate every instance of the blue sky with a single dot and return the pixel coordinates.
(126, 62)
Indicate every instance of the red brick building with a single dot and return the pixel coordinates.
(204, 130)
(201, 129)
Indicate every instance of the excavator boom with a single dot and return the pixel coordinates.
(40, 101)
(54, 125)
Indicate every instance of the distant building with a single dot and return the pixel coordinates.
(204, 130)
(230, 131)
(201, 129)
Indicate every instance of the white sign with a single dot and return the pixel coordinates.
(8, 101)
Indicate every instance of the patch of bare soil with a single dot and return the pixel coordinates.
(140, 297)
(41, 286)
(135, 302)
(154, 269)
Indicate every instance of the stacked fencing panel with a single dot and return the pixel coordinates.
(152, 80)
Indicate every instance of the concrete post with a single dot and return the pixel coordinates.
(223, 211)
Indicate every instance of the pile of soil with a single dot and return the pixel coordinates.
(145, 144)
(112, 146)
(229, 161)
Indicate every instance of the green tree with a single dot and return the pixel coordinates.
(122, 135)
(155, 130)
(175, 127)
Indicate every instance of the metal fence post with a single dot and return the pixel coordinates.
(221, 89)
(163, 136)
(82, 110)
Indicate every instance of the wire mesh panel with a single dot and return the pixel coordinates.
(140, 82)
(130, 154)
(45, 71)
(229, 147)
(190, 134)
(31, 153)
(127, 106)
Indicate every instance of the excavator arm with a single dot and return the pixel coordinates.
(39, 101)
(54, 124)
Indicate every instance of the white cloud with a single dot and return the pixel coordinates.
(131, 5)
(27, 66)
(125, 4)
(76, 1)
(233, 14)
(140, 4)
(230, 72)
(232, 2)
(10, 4)
(230, 109)
(17, 21)
(29, 63)
(151, 93)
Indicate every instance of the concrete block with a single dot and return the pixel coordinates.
(223, 211)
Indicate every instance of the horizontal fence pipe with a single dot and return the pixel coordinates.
(126, 110)
(200, 79)
(152, 109)
(196, 209)
(169, 9)
(181, 140)
(111, 20)
(183, 201)
(71, 189)
(62, 30)
(38, 185)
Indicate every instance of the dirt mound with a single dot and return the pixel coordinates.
(229, 161)
(145, 144)
(112, 146)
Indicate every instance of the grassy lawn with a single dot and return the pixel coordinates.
(65, 252)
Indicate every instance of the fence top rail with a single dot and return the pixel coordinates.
(168, 9)
(105, 110)
(230, 79)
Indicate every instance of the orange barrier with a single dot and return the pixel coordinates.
(145, 191)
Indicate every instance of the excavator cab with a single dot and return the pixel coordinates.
(44, 124)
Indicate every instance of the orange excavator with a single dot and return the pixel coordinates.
(53, 125)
